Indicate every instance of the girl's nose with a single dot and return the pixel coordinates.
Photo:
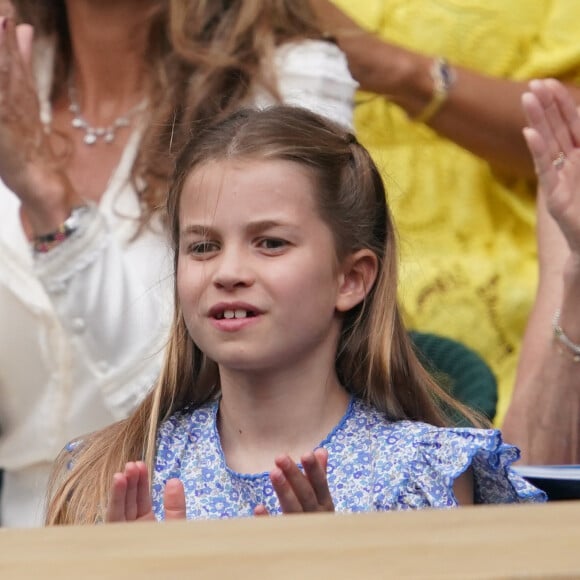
(232, 270)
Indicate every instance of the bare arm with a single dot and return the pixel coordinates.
(482, 113)
(463, 488)
(544, 416)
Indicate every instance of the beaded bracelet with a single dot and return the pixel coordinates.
(561, 337)
(46, 242)
(443, 79)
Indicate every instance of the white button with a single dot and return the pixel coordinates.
(78, 325)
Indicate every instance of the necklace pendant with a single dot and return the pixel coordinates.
(90, 139)
(93, 134)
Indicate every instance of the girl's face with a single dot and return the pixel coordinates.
(257, 274)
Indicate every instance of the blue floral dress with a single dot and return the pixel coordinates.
(373, 465)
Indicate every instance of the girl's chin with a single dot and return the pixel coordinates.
(246, 364)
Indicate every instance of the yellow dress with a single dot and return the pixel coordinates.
(467, 233)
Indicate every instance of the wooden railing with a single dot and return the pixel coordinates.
(535, 541)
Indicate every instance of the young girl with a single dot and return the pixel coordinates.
(286, 339)
(89, 129)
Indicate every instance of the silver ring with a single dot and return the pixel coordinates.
(558, 163)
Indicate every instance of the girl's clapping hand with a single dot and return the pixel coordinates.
(301, 492)
(130, 496)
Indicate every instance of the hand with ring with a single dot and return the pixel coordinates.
(553, 137)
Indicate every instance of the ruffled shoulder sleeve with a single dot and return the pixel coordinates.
(435, 457)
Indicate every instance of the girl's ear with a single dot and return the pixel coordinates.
(358, 274)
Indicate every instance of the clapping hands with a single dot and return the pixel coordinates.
(130, 495)
(301, 492)
(553, 137)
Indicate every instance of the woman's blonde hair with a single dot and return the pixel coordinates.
(375, 358)
(202, 59)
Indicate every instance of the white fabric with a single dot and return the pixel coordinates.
(313, 74)
(81, 334)
(82, 327)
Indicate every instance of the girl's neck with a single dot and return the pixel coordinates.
(261, 417)
(109, 40)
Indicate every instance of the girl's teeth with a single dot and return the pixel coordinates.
(235, 314)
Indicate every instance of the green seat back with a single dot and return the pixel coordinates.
(460, 370)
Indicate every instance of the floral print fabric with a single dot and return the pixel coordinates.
(373, 465)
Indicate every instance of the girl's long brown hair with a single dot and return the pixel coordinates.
(375, 359)
(202, 58)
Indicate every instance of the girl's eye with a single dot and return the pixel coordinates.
(272, 244)
(202, 248)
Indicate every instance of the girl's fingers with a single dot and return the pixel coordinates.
(260, 510)
(321, 455)
(298, 491)
(301, 486)
(174, 500)
(132, 476)
(117, 496)
(315, 468)
(288, 501)
(143, 499)
(130, 497)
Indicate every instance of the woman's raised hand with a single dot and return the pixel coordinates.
(301, 492)
(553, 137)
(21, 132)
(27, 163)
(130, 497)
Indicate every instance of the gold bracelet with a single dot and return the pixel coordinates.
(443, 78)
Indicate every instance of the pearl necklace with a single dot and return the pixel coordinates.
(93, 134)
